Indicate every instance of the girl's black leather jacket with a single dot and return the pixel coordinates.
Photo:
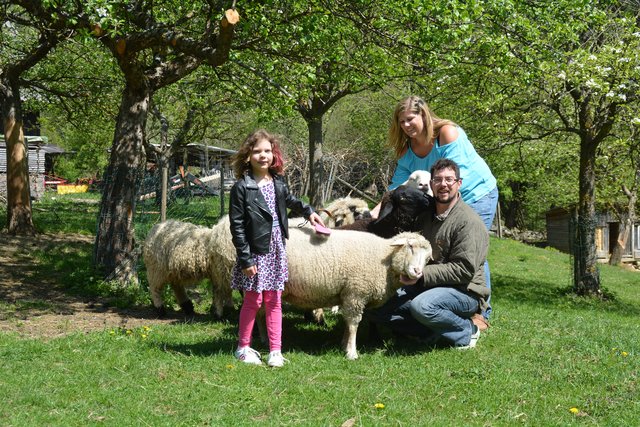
(251, 221)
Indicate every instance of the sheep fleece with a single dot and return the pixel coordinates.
(347, 267)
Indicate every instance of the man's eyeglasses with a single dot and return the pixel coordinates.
(449, 180)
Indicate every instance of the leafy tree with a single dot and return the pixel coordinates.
(78, 88)
(567, 79)
(22, 47)
(314, 53)
(154, 44)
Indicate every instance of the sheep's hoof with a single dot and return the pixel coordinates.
(161, 311)
(223, 313)
(352, 356)
(227, 313)
(187, 308)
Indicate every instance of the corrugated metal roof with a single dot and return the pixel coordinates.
(38, 147)
(211, 148)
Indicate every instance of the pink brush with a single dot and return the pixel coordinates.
(322, 230)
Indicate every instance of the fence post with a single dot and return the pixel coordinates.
(221, 188)
(163, 200)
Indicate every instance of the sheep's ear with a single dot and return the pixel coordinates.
(400, 241)
(386, 210)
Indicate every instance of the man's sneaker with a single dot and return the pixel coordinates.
(276, 360)
(248, 355)
(475, 335)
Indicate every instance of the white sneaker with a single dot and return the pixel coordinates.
(276, 360)
(475, 335)
(248, 355)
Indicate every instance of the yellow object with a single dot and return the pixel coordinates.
(67, 189)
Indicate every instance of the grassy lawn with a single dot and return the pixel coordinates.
(549, 359)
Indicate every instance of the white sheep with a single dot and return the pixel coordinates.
(183, 254)
(351, 269)
(420, 179)
(344, 211)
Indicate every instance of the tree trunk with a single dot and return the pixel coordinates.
(19, 214)
(513, 209)
(114, 248)
(587, 280)
(316, 170)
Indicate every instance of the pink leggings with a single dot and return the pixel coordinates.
(273, 312)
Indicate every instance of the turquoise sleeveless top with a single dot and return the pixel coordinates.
(477, 179)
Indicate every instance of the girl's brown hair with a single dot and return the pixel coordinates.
(240, 160)
(398, 140)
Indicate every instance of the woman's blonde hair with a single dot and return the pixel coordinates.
(240, 160)
(398, 140)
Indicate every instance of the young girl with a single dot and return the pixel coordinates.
(258, 214)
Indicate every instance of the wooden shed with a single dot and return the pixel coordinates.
(40, 158)
(559, 226)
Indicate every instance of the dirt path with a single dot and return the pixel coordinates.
(35, 305)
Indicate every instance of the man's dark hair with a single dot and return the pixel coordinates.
(445, 164)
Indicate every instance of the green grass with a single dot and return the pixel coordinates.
(547, 352)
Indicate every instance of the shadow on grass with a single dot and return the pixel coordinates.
(300, 336)
(313, 339)
(558, 295)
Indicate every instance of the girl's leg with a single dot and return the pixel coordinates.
(250, 305)
(273, 314)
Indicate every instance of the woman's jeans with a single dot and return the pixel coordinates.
(486, 207)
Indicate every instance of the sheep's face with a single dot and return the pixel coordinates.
(345, 211)
(412, 252)
(399, 211)
(420, 180)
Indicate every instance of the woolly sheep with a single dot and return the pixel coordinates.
(183, 254)
(345, 210)
(398, 211)
(351, 269)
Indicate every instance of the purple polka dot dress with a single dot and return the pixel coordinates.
(273, 271)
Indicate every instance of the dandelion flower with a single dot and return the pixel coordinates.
(230, 366)
(129, 331)
(624, 354)
(379, 406)
(574, 410)
(143, 336)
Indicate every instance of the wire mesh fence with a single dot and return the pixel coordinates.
(193, 194)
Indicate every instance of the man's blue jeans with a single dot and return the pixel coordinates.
(486, 208)
(446, 312)
(428, 314)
